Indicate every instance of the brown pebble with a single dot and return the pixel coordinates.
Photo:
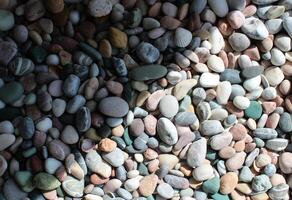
(55, 6)
(169, 22)
(228, 182)
(118, 38)
(107, 145)
(105, 48)
(238, 132)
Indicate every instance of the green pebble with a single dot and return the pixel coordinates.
(150, 198)
(29, 152)
(212, 185)
(6, 20)
(211, 155)
(120, 142)
(143, 170)
(127, 138)
(218, 196)
(45, 181)
(148, 72)
(24, 180)
(11, 92)
(254, 110)
(38, 54)
(259, 142)
(30, 99)
(135, 18)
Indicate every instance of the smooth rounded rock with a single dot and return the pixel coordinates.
(113, 107)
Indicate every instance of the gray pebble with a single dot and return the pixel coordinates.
(147, 52)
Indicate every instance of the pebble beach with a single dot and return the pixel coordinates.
(145, 99)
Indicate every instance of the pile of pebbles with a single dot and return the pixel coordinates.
(145, 99)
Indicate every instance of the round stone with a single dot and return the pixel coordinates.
(165, 190)
(168, 106)
(11, 92)
(147, 52)
(254, 110)
(228, 182)
(238, 41)
(99, 8)
(113, 107)
(285, 162)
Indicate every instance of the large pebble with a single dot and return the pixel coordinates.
(6, 140)
(167, 131)
(197, 153)
(203, 172)
(6, 20)
(99, 8)
(255, 28)
(220, 7)
(114, 158)
(168, 106)
(211, 127)
(73, 187)
(183, 87)
(147, 52)
(113, 107)
(148, 72)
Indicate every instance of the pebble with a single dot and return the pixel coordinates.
(11, 191)
(73, 187)
(197, 153)
(69, 135)
(99, 8)
(167, 131)
(239, 42)
(115, 158)
(6, 141)
(182, 37)
(220, 8)
(203, 172)
(285, 162)
(147, 53)
(168, 106)
(95, 163)
(183, 87)
(165, 190)
(148, 185)
(44, 181)
(209, 80)
(261, 183)
(228, 182)
(255, 28)
(7, 20)
(148, 72)
(113, 107)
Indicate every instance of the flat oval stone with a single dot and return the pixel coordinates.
(255, 28)
(167, 131)
(113, 107)
(148, 72)
(114, 158)
(176, 181)
(252, 71)
(58, 149)
(11, 191)
(231, 75)
(285, 122)
(220, 7)
(277, 144)
(6, 20)
(203, 172)
(165, 190)
(185, 118)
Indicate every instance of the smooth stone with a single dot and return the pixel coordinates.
(216, 64)
(44, 181)
(185, 118)
(245, 174)
(277, 57)
(71, 85)
(285, 122)
(283, 42)
(287, 21)
(113, 107)
(239, 42)
(176, 181)
(168, 106)
(148, 72)
(44, 124)
(11, 92)
(285, 162)
(254, 110)
(148, 185)
(165, 190)
(274, 25)
(220, 7)
(219, 196)
(75, 104)
(167, 160)
(131, 184)
(167, 131)
(211, 127)
(73, 187)
(279, 191)
(114, 158)
(236, 5)
(182, 37)
(223, 92)
(252, 84)
(255, 28)
(6, 127)
(95, 163)
(277, 144)
(265, 133)
(58, 149)
(198, 6)
(6, 140)
(209, 80)
(270, 170)
(221, 140)
(231, 75)
(252, 71)
(69, 135)
(3, 165)
(147, 52)
(6, 20)
(241, 102)
(212, 185)
(228, 182)
(99, 8)
(203, 172)
(51, 165)
(197, 153)
(58, 107)
(261, 183)
(183, 87)
(150, 23)
(11, 191)
(216, 39)
(235, 162)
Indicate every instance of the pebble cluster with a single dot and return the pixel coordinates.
(145, 99)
